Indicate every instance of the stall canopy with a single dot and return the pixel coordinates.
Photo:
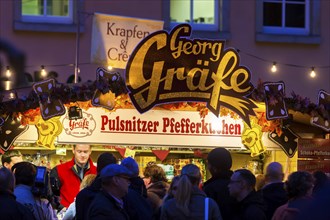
(177, 92)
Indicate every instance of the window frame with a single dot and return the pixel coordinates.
(21, 24)
(291, 36)
(202, 27)
(49, 18)
(211, 31)
(288, 30)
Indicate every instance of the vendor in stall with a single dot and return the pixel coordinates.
(66, 177)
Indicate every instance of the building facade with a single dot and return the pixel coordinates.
(294, 35)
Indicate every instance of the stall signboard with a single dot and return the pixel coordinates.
(171, 67)
(314, 165)
(314, 154)
(314, 148)
(154, 128)
(115, 37)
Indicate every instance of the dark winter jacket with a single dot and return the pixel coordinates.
(105, 207)
(137, 207)
(170, 210)
(217, 188)
(138, 185)
(251, 207)
(10, 209)
(274, 196)
(85, 197)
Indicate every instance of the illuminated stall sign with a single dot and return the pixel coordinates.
(316, 148)
(314, 155)
(167, 68)
(155, 128)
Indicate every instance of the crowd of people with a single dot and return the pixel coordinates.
(116, 191)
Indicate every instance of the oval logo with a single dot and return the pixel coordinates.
(80, 127)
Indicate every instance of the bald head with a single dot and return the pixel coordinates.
(274, 172)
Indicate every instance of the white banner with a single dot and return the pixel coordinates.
(154, 128)
(115, 37)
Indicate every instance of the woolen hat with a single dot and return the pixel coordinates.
(131, 164)
(115, 170)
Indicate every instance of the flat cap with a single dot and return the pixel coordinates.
(115, 170)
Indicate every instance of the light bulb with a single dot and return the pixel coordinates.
(8, 73)
(8, 85)
(43, 71)
(274, 68)
(109, 67)
(312, 74)
(12, 95)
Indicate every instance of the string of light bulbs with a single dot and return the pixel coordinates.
(273, 69)
(275, 64)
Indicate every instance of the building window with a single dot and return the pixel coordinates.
(286, 16)
(47, 11)
(48, 15)
(206, 17)
(288, 21)
(201, 15)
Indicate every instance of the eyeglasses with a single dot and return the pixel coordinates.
(234, 181)
(125, 177)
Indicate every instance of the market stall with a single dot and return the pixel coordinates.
(182, 97)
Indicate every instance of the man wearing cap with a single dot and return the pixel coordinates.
(135, 202)
(108, 203)
(66, 177)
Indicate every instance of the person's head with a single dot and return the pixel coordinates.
(190, 177)
(25, 173)
(173, 186)
(81, 153)
(154, 173)
(132, 165)
(87, 181)
(320, 180)
(299, 184)
(11, 157)
(274, 173)
(219, 160)
(115, 179)
(7, 180)
(103, 160)
(242, 182)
